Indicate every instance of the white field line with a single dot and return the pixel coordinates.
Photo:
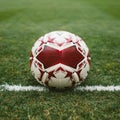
(7, 87)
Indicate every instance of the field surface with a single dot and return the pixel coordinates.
(22, 22)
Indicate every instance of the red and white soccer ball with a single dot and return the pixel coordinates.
(60, 59)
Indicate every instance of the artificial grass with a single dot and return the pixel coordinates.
(60, 105)
(23, 22)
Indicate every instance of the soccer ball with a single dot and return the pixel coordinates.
(60, 59)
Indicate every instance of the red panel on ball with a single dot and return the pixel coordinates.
(69, 56)
(49, 57)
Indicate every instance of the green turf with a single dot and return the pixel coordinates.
(23, 22)
(61, 106)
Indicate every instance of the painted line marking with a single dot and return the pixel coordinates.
(110, 88)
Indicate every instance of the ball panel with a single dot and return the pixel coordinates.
(71, 57)
(60, 80)
(49, 56)
(35, 70)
